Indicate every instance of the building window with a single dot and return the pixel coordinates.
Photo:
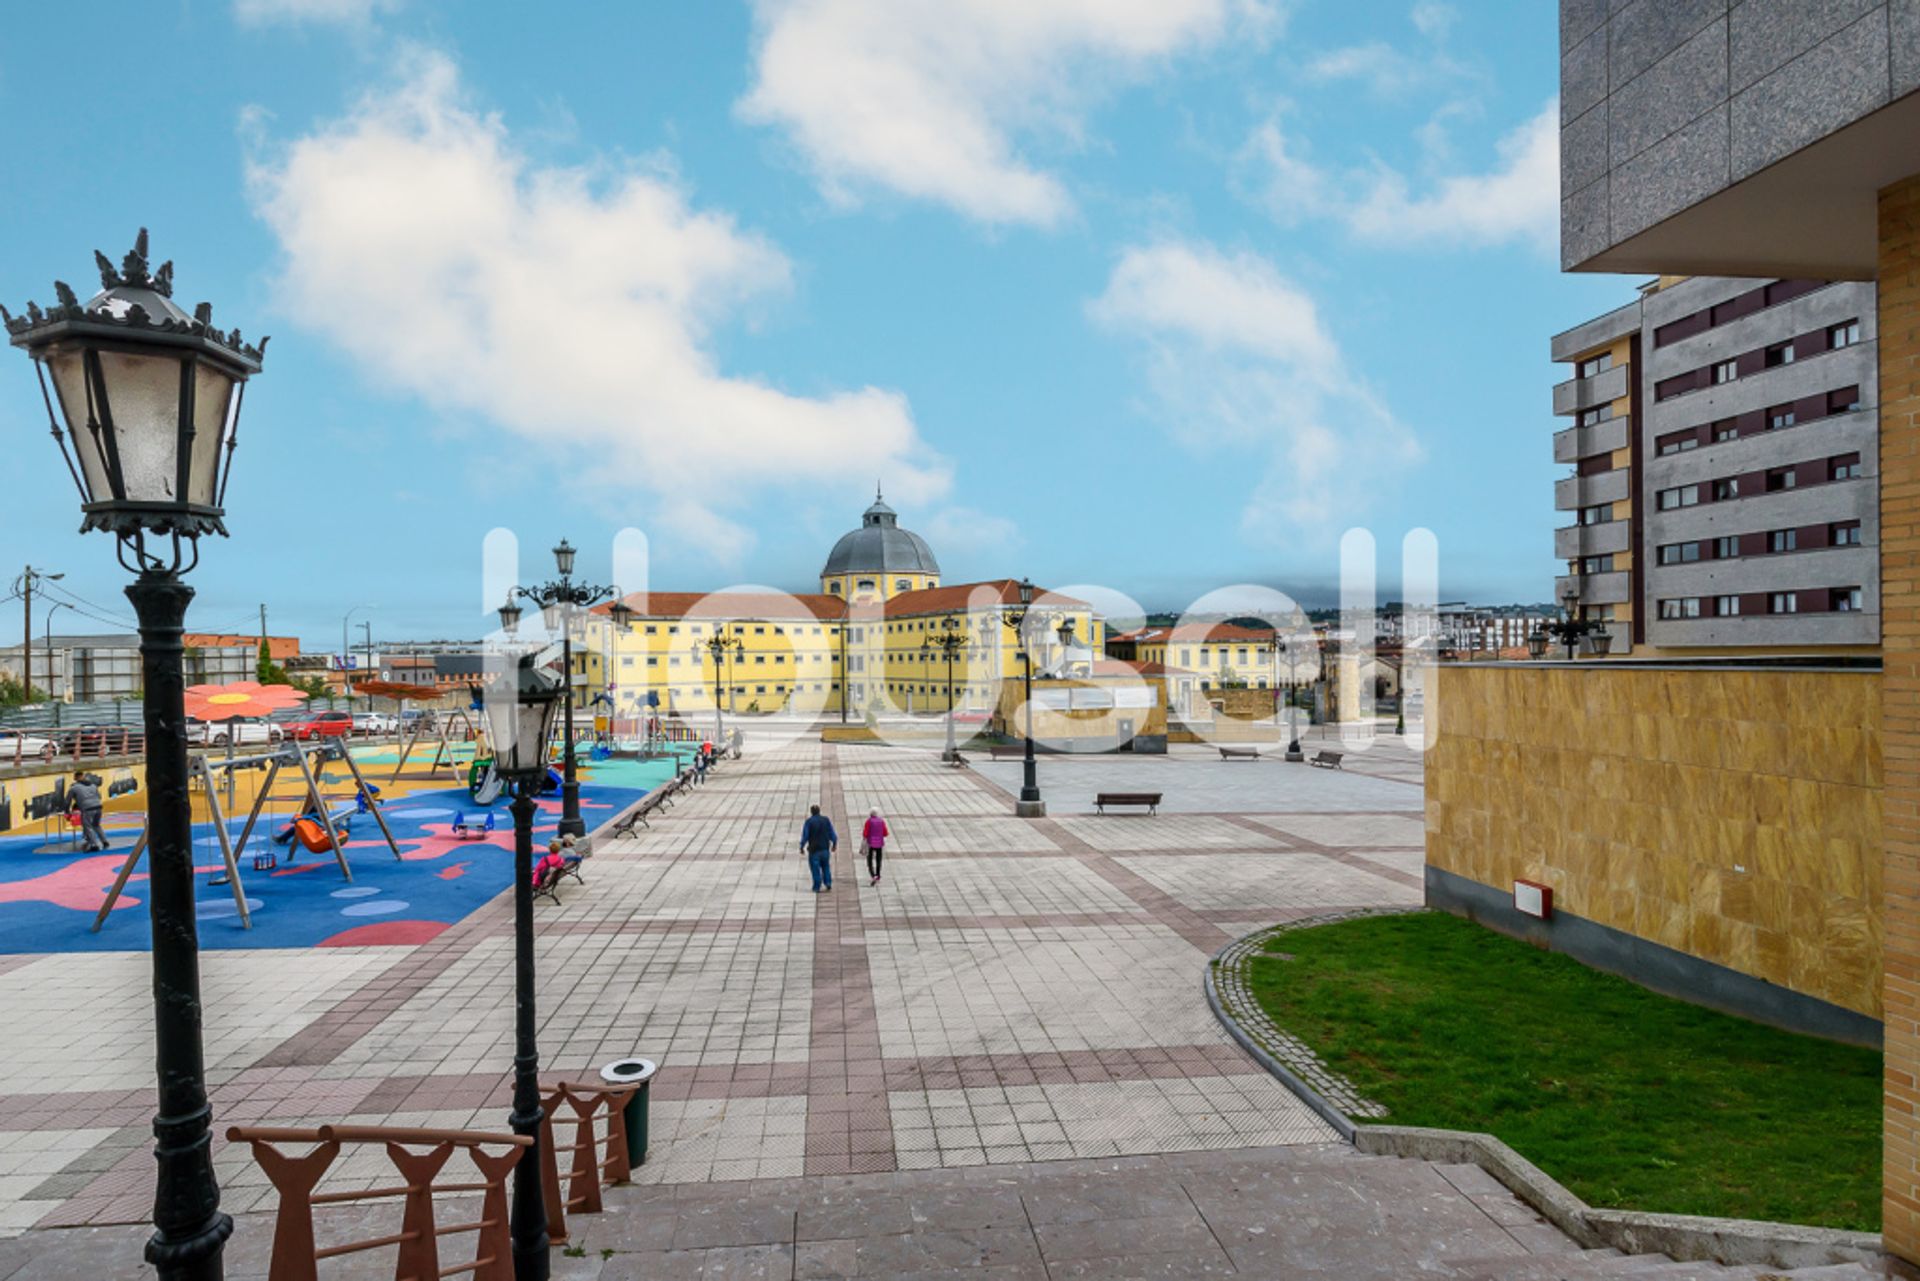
(1781, 353)
(1591, 565)
(1725, 430)
(1726, 488)
(1844, 467)
(1783, 603)
(865, 585)
(1598, 514)
(1726, 547)
(1726, 371)
(1680, 607)
(1596, 365)
(1845, 334)
(1783, 540)
(1846, 600)
(1683, 496)
(1679, 553)
(1844, 533)
(1726, 606)
(1844, 401)
(1780, 416)
(1679, 442)
(1590, 417)
(1781, 478)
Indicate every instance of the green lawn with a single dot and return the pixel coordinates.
(1631, 1099)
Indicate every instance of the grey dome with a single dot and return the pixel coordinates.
(881, 546)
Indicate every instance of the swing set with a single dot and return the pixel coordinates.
(365, 798)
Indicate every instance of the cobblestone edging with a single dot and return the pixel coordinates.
(1279, 1051)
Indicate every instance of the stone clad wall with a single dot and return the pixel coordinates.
(1731, 815)
(1900, 642)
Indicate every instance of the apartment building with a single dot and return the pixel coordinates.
(1723, 492)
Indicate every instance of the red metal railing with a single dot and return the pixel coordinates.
(591, 1104)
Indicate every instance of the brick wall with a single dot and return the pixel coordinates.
(1899, 272)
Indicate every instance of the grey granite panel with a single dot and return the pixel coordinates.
(1904, 19)
(1674, 173)
(1583, 77)
(1768, 34)
(1583, 224)
(1645, 31)
(1583, 152)
(1834, 84)
(1677, 89)
(1580, 19)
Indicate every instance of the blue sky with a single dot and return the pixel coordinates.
(1154, 294)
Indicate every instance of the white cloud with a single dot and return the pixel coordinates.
(925, 98)
(1240, 365)
(1519, 199)
(1434, 18)
(1386, 71)
(972, 533)
(344, 12)
(572, 308)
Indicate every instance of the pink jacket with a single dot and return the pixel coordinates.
(875, 832)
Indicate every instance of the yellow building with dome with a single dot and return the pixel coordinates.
(864, 639)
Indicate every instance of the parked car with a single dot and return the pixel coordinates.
(17, 746)
(321, 725)
(253, 733)
(375, 723)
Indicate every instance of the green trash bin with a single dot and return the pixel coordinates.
(639, 1072)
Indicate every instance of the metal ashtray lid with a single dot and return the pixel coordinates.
(628, 1071)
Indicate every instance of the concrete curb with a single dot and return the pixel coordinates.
(1683, 1237)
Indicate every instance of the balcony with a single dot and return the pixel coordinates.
(1575, 443)
(1576, 394)
(1571, 493)
(1594, 589)
(1577, 541)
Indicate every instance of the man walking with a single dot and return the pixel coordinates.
(819, 840)
(84, 798)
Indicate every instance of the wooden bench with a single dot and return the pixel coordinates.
(638, 814)
(1151, 800)
(1327, 760)
(1239, 753)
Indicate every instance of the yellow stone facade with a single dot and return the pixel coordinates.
(1899, 280)
(1730, 814)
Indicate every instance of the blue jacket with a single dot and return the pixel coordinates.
(817, 833)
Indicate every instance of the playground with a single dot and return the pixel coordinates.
(366, 850)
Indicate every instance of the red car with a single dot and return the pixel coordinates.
(321, 725)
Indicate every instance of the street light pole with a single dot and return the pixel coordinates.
(562, 596)
(1029, 805)
(951, 641)
(52, 694)
(130, 376)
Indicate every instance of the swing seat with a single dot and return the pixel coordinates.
(472, 829)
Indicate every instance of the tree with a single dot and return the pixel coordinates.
(266, 671)
(13, 695)
(312, 686)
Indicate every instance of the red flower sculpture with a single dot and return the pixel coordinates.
(242, 698)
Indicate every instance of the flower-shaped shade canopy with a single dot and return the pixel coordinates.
(241, 698)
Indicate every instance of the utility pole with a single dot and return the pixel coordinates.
(24, 586)
(263, 639)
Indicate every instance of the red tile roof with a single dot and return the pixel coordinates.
(982, 595)
(1212, 633)
(733, 605)
(1122, 667)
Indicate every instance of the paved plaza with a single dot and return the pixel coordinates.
(1015, 992)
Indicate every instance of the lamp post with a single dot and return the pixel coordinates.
(952, 641)
(1029, 805)
(144, 405)
(1570, 630)
(1289, 643)
(520, 707)
(346, 656)
(558, 599)
(722, 650)
(53, 695)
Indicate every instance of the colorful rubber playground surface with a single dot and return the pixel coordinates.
(49, 897)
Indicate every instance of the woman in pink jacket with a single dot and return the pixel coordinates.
(875, 836)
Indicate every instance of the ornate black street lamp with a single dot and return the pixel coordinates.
(953, 641)
(520, 708)
(145, 407)
(1030, 805)
(722, 650)
(1570, 629)
(558, 600)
